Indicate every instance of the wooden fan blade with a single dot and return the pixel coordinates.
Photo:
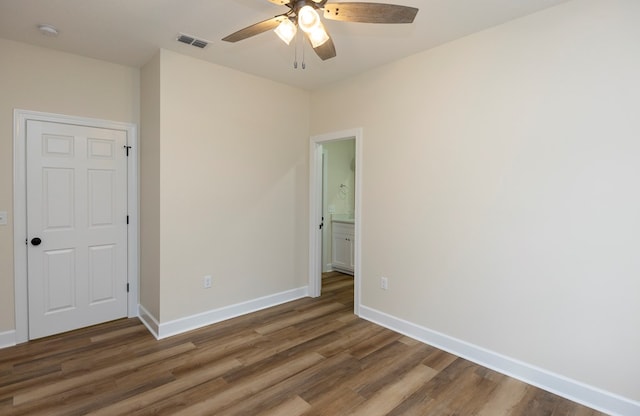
(255, 29)
(327, 50)
(369, 12)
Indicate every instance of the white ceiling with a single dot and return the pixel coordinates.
(130, 32)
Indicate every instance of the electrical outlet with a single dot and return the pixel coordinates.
(206, 282)
(384, 283)
(3, 217)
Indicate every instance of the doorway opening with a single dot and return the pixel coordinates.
(338, 205)
(335, 208)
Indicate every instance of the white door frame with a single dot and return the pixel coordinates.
(315, 210)
(20, 118)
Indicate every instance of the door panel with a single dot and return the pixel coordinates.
(100, 149)
(76, 204)
(101, 184)
(55, 145)
(57, 198)
(59, 280)
(102, 270)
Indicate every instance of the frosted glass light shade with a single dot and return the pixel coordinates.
(318, 36)
(308, 18)
(286, 31)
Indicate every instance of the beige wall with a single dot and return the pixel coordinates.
(224, 175)
(500, 189)
(39, 79)
(233, 180)
(150, 105)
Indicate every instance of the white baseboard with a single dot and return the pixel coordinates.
(7, 338)
(178, 326)
(148, 320)
(562, 386)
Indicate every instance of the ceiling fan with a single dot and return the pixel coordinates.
(304, 14)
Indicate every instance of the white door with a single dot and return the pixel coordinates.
(76, 226)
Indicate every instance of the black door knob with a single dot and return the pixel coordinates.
(36, 241)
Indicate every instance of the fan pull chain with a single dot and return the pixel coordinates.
(295, 52)
(304, 64)
(297, 40)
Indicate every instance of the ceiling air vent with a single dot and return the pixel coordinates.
(190, 40)
(199, 43)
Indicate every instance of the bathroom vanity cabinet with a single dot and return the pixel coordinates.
(343, 246)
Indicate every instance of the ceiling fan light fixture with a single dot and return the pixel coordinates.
(286, 31)
(303, 14)
(308, 18)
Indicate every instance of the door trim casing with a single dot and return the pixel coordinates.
(20, 118)
(315, 211)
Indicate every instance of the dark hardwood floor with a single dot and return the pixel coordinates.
(311, 357)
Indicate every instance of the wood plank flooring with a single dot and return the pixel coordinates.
(308, 357)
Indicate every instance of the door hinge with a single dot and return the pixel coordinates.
(127, 220)
(127, 287)
(126, 148)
